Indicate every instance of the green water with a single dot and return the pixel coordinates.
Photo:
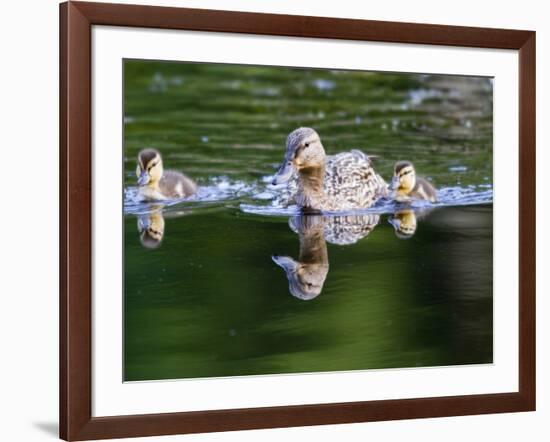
(208, 299)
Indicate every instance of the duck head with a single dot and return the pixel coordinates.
(305, 280)
(404, 177)
(149, 167)
(303, 151)
(306, 275)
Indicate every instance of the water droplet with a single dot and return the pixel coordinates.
(323, 85)
(458, 169)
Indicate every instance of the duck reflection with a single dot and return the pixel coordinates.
(151, 228)
(150, 224)
(404, 223)
(306, 275)
(347, 230)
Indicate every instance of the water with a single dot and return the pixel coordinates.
(212, 286)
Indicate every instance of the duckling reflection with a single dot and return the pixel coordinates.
(150, 224)
(306, 276)
(151, 228)
(404, 223)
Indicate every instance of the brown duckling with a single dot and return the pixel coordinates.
(408, 186)
(156, 184)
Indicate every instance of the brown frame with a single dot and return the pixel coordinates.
(76, 421)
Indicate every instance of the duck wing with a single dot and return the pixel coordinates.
(424, 190)
(176, 185)
(351, 181)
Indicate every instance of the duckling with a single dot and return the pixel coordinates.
(408, 186)
(157, 184)
(151, 229)
(344, 181)
(404, 223)
(306, 275)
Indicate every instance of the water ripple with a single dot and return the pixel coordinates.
(260, 198)
(217, 190)
(447, 197)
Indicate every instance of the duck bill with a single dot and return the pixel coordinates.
(284, 173)
(144, 222)
(394, 183)
(395, 222)
(143, 179)
(285, 262)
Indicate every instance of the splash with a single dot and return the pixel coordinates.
(262, 198)
(447, 197)
(216, 191)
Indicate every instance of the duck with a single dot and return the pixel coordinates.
(157, 184)
(340, 182)
(407, 186)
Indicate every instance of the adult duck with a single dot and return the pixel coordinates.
(340, 182)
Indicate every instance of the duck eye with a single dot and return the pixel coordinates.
(306, 144)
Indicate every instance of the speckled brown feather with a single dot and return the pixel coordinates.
(340, 230)
(350, 183)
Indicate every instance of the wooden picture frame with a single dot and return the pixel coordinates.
(76, 21)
